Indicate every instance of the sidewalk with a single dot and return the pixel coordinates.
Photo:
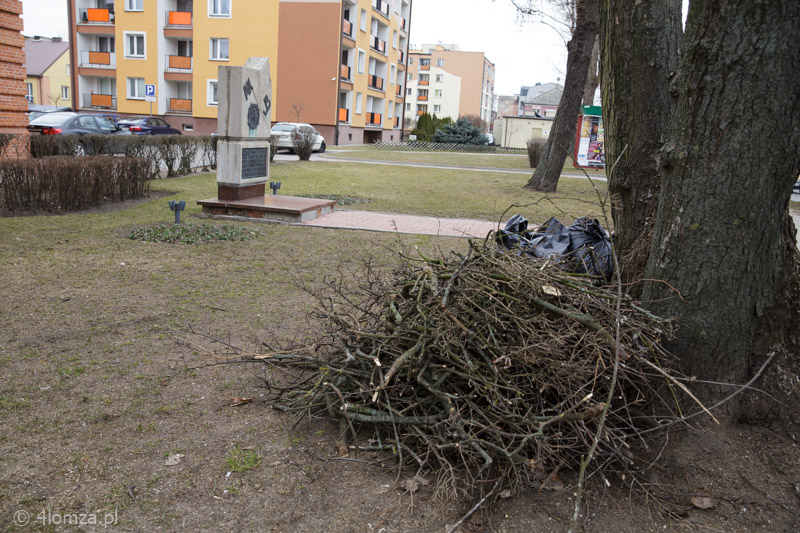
(420, 225)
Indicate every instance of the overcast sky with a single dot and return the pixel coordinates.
(524, 52)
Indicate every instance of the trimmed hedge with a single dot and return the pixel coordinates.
(60, 184)
(172, 155)
(418, 146)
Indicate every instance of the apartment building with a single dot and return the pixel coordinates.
(13, 104)
(444, 80)
(336, 64)
(48, 72)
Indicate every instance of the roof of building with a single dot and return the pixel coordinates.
(527, 93)
(41, 54)
(551, 97)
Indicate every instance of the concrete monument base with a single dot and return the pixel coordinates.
(275, 208)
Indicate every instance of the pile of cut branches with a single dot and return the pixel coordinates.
(485, 367)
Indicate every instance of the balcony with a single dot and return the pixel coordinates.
(374, 119)
(344, 115)
(103, 17)
(399, 90)
(425, 66)
(180, 105)
(347, 28)
(90, 59)
(381, 6)
(402, 58)
(179, 63)
(344, 72)
(396, 122)
(178, 19)
(422, 98)
(424, 82)
(99, 101)
(403, 24)
(375, 82)
(377, 44)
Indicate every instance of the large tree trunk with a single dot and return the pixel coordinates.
(640, 44)
(593, 74)
(722, 236)
(562, 133)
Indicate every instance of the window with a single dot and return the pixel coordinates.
(219, 49)
(410, 60)
(69, 71)
(212, 92)
(409, 91)
(87, 122)
(437, 93)
(105, 44)
(361, 59)
(136, 88)
(437, 109)
(393, 75)
(363, 21)
(107, 86)
(389, 110)
(410, 76)
(185, 48)
(64, 92)
(135, 45)
(408, 107)
(394, 39)
(359, 98)
(29, 96)
(440, 62)
(134, 5)
(219, 8)
(439, 78)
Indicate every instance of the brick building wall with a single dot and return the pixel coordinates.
(13, 104)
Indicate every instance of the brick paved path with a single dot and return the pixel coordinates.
(365, 220)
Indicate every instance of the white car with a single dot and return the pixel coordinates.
(288, 131)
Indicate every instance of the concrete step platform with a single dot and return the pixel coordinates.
(277, 208)
(420, 225)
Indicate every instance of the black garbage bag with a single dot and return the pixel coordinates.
(583, 247)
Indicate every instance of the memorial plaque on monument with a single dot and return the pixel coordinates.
(243, 124)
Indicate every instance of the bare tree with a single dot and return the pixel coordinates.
(297, 108)
(579, 53)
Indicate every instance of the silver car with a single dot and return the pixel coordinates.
(288, 131)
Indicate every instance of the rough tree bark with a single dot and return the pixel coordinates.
(723, 236)
(640, 44)
(579, 52)
(593, 75)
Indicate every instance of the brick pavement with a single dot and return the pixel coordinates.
(366, 220)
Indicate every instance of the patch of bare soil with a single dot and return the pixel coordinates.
(103, 416)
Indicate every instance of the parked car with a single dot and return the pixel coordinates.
(68, 123)
(147, 126)
(35, 110)
(288, 131)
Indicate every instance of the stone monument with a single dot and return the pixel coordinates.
(243, 126)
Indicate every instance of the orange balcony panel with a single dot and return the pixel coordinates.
(421, 82)
(424, 67)
(347, 27)
(179, 18)
(180, 62)
(344, 114)
(374, 119)
(422, 98)
(102, 100)
(344, 72)
(180, 104)
(99, 58)
(98, 15)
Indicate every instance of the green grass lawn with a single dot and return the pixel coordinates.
(499, 161)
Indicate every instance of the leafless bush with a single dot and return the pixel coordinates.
(535, 149)
(59, 184)
(303, 139)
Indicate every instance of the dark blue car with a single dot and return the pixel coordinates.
(147, 126)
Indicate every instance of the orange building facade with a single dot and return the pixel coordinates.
(336, 64)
